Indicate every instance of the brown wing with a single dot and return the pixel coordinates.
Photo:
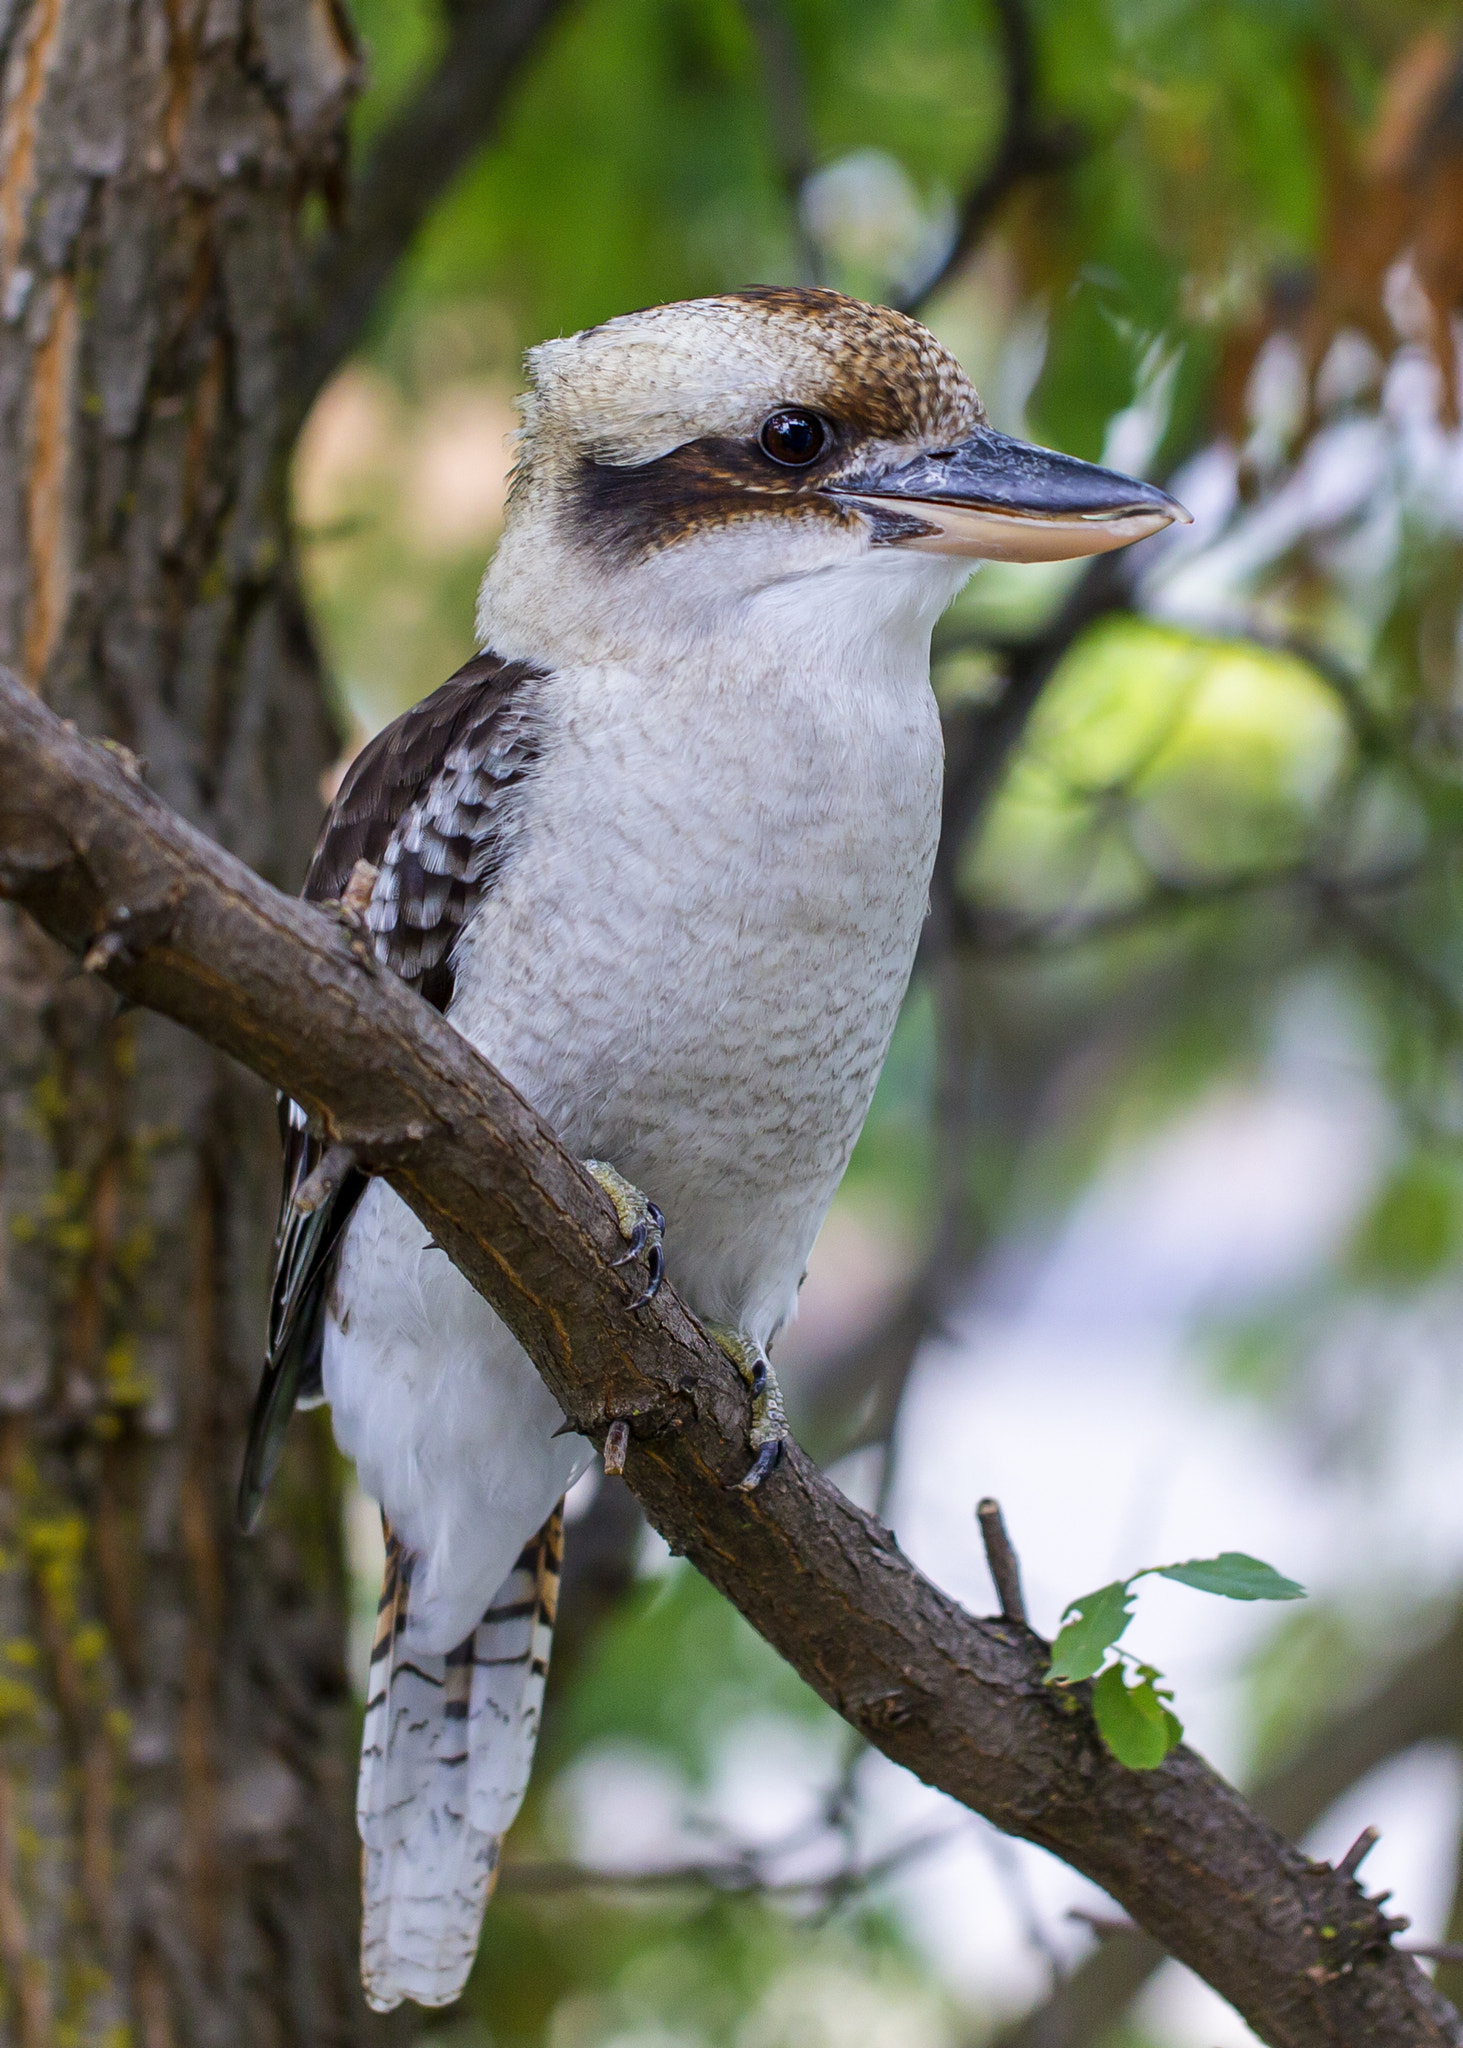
(431, 804)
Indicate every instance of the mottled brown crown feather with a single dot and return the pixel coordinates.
(636, 387)
(646, 427)
(888, 375)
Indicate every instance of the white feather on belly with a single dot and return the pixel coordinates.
(449, 1424)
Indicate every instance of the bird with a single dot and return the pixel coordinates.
(662, 852)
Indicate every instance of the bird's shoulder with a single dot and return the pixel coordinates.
(431, 803)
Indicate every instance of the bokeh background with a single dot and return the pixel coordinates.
(1154, 1232)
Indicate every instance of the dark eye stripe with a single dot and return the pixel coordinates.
(702, 484)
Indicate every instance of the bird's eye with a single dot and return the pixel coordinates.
(793, 438)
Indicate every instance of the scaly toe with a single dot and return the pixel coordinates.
(769, 1431)
(641, 1225)
(635, 1246)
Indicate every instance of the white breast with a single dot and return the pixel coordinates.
(693, 965)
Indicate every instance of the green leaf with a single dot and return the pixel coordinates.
(1414, 1228)
(1234, 1576)
(1083, 1642)
(1133, 1721)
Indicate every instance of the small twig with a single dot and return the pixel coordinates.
(1001, 1557)
(108, 946)
(739, 1876)
(1023, 1907)
(1433, 1951)
(317, 1187)
(995, 935)
(784, 89)
(1105, 1924)
(1383, 950)
(446, 118)
(1027, 147)
(1357, 1854)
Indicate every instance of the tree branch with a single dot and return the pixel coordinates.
(417, 156)
(1421, 1700)
(784, 89)
(1027, 148)
(1300, 1952)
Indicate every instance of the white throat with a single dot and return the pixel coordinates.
(799, 597)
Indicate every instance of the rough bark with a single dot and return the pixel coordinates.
(176, 923)
(176, 1854)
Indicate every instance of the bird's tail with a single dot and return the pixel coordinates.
(445, 1756)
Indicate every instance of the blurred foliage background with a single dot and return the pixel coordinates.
(1154, 1231)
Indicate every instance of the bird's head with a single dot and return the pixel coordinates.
(677, 464)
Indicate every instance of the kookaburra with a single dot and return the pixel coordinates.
(661, 851)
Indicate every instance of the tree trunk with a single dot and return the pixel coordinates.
(177, 1858)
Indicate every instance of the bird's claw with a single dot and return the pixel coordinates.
(641, 1225)
(769, 1456)
(769, 1431)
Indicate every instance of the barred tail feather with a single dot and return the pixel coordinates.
(445, 1755)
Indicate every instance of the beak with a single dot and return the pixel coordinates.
(1004, 500)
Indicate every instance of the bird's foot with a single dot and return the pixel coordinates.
(641, 1225)
(355, 898)
(769, 1430)
(349, 909)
